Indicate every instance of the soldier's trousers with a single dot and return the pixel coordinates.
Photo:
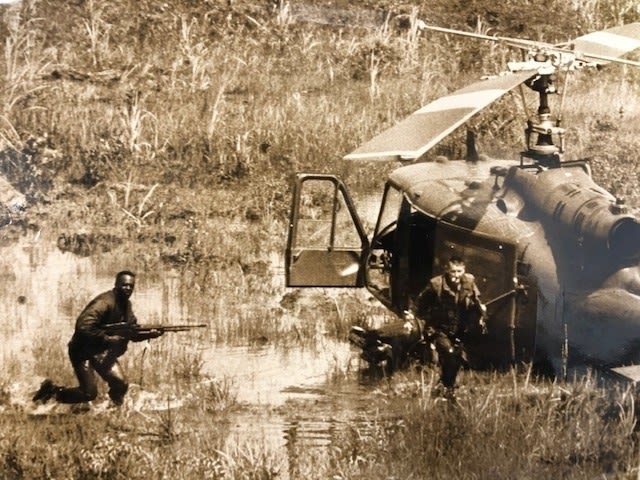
(104, 364)
(450, 357)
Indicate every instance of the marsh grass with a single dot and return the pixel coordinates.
(173, 129)
(505, 425)
(130, 445)
(50, 358)
(174, 422)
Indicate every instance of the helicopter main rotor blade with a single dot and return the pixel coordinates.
(513, 42)
(424, 128)
(607, 45)
(599, 47)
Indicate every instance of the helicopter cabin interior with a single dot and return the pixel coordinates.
(328, 247)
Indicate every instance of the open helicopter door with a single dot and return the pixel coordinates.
(327, 244)
(493, 264)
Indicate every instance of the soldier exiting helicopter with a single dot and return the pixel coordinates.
(450, 306)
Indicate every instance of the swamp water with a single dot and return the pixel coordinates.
(294, 396)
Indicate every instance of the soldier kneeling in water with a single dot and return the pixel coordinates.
(92, 349)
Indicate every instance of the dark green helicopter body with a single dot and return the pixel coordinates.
(556, 257)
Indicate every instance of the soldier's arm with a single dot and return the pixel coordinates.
(470, 282)
(476, 291)
(476, 295)
(142, 334)
(479, 305)
(89, 322)
(424, 302)
(146, 334)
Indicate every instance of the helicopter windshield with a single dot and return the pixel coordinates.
(389, 211)
(401, 254)
(378, 278)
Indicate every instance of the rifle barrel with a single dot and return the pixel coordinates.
(119, 327)
(500, 297)
(177, 328)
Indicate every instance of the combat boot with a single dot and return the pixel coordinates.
(46, 391)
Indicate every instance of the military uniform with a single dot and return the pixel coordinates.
(91, 349)
(448, 314)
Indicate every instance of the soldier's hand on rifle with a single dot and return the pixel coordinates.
(483, 326)
(483, 315)
(114, 339)
(155, 333)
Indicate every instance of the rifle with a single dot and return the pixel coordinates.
(143, 332)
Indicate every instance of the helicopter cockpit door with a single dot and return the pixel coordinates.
(493, 264)
(327, 244)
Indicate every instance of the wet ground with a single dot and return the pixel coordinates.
(298, 396)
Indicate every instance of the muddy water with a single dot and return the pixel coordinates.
(286, 397)
(290, 396)
(44, 289)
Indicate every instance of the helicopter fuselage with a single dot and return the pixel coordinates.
(555, 256)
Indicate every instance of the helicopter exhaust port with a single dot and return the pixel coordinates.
(624, 239)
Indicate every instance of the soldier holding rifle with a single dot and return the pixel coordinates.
(102, 333)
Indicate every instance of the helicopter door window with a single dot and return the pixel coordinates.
(324, 220)
(326, 238)
(420, 251)
(402, 252)
(389, 211)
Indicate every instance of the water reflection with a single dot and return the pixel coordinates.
(45, 286)
(288, 396)
(270, 376)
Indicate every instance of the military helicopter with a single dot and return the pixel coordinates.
(556, 256)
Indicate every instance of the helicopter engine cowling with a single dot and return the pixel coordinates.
(569, 199)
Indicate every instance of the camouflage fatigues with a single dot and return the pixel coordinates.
(447, 315)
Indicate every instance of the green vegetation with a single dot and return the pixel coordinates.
(497, 430)
(167, 133)
(503, 426)
(161, 122)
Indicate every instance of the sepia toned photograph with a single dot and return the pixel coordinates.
(319, 239)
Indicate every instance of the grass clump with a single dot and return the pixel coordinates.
(495, 430)
(180, 160)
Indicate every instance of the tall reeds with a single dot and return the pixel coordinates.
(177, 127)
